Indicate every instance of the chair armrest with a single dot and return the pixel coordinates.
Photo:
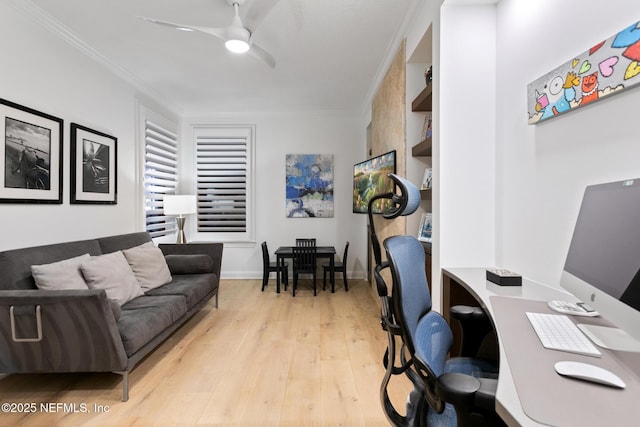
(469, 395)
(458, 389)
(475, 323)
(71, 331)
(465, 312)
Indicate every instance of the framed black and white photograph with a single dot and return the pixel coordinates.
(93, 166)
(31, 170)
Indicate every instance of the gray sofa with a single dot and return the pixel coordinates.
(81, 330)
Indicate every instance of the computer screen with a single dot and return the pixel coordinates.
(603, 262)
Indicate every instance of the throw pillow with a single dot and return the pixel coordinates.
(148, 265)
(112, 273)
(189, 264)
(60, 275)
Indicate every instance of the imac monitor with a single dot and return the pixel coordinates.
(603, 262)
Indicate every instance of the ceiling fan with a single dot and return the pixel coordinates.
(237, 37)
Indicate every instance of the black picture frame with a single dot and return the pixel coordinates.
(31, 153)
(94, 166)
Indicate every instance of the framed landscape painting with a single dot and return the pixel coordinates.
(31, 153)
(371, 178)
(93, 166)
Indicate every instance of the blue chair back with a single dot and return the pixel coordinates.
(411, 297)
(433, 341)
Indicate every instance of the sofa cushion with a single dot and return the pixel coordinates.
(189, 264)
(148, 265)
(60, 275)
(122, 241)
(15, 264)
(194, 287)
(112, 273)
(145, 317)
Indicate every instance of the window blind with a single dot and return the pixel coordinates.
(222, 171)
(160, 176)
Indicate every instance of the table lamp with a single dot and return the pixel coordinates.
(179, 206)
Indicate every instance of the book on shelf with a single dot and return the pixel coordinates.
(427, 127)
(426, 227)
(427, 179)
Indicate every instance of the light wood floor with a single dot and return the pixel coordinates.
(261, 359)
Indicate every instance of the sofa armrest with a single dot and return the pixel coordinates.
(214, 250)
(59, 331)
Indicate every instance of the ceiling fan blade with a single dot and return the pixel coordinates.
(216, 32)
(258, 10)
(262, 55)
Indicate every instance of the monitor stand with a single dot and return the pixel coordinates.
(611, 338)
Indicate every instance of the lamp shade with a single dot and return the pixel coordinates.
(179, 205)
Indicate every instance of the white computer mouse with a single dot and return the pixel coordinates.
(587, 372)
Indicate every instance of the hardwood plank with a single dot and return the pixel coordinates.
(260, 359)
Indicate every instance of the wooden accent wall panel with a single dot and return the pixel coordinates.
(388, 117)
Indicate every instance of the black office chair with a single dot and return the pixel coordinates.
(304, 262)
(338, 266)
(467, 384)
(272, 267)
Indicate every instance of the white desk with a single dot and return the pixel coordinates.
(472, 281)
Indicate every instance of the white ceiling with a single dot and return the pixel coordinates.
(328, 53)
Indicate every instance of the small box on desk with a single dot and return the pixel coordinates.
(503, 277)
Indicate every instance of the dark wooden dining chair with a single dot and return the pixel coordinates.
(338, 266)
(304, 262)
(272, 267)
(305, 242)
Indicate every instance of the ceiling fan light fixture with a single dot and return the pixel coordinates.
(237, 39)
(237, 46)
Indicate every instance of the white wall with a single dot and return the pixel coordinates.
(41, 71)
(464, 205)
(542, 169)
(279, 134)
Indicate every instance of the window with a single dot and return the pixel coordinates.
(160, 173)
(224, 159)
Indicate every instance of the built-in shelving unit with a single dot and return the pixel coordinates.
(425, 194)
(423, 149)
(422, 102)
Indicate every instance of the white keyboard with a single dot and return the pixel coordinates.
(558, 332)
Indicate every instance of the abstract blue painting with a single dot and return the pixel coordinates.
(309, 186)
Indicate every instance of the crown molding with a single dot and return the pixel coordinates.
(390, 54)
(67, 35)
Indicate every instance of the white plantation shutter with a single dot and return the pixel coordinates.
(223, 178)
(160, 175)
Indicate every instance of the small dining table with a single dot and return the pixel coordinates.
(321, 252)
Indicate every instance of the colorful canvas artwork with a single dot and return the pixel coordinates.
(607, 68)
(370, 179)
(309, 186)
